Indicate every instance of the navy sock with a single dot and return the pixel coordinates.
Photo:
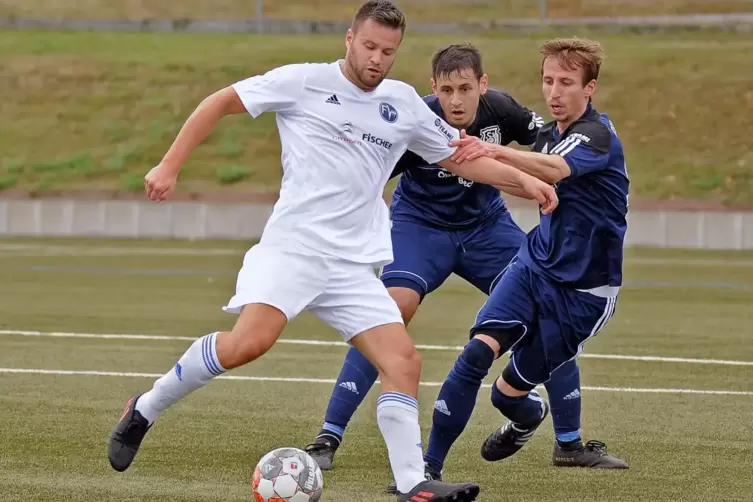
(357, 376)
(456, 401)
(525, 411)
(564, 398)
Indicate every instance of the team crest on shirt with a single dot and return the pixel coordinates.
(491, 134)
(388, 112)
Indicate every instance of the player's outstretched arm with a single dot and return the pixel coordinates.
(506, 178)
(161, 180)
(514, 190)
(549, 168)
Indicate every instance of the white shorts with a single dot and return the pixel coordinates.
(347, 296)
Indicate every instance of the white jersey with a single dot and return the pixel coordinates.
(339, 146)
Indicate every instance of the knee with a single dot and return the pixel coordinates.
(499, 339)
(406, 362)
(474, 362)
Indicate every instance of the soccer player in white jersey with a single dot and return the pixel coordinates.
(342, 127)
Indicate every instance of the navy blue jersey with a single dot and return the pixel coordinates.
(580, 244)
(430, 194)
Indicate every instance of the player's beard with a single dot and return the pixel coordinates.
(366, 78)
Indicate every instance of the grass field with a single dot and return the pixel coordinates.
(97, 110)
(683, 445)
(415, 10)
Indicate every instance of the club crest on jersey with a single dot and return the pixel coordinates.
(491, 134)
(388, 112)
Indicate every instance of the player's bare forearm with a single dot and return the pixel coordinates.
(198, 126)
(515, 190)
(485, 170)
(549, 168)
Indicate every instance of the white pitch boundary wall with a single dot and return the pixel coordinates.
(199, 220)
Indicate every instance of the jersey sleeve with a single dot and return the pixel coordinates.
(524, 124)
(277, 91)
(586, 148)
(431, 135)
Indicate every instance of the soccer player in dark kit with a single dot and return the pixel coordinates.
(562, 287)
(444, 224)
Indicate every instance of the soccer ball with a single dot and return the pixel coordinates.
(287, 475)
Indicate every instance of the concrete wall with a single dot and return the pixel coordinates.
(197, 220)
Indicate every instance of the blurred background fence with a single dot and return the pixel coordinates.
(417, 11)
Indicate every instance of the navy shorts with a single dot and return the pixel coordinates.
(425, 256)
(544, 324)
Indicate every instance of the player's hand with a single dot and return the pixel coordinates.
(469, 148)
(544, 193)
(160, 182)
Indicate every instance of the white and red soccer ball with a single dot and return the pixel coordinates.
(287, 475)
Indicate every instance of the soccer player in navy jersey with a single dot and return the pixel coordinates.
(562, 288)
(444, 224)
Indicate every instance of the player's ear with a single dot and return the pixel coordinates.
(484, 83)
(590, 88)
(349, 38)
(434, 87)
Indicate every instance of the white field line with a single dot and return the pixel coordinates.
(327, 343)
(63, 250)
(77, 250)
(35, 371)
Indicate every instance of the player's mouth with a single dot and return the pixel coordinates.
(374, 72)
(458, 114)
(557, 109)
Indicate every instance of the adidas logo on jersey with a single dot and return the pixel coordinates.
(333, 100)
(351, 386)
(442, 408)
(573, 395)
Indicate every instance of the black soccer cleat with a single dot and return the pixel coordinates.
(593, 454)
(429, 474)
(126, 437)
(322, 450)
(438, 491)
(509, 439)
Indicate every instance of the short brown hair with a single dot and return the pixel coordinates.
(575, 53)
(455, 58)
(383, 12)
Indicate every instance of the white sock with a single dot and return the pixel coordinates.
(397, 417)
(194, 370)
